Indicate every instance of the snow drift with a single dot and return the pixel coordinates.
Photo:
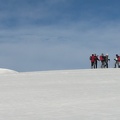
(6, 71)
(61, 95)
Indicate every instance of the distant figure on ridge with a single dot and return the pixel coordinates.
(96, 59)
(117, 61)
(106, 61)
(102, 59)
(92, 59)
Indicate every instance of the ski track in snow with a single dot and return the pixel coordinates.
(61, 95)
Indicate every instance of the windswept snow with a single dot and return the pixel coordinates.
(61, 95)
(6, 71)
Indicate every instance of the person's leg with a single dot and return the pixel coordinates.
(91, 65)
(96, 64)
(106, 64)
(102, 64)
(115, 64)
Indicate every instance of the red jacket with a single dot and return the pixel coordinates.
(118, 58)
(92, 58)
(101, 58)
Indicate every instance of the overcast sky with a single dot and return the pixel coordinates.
(57, 34)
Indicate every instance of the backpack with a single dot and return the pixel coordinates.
(101, 58)
(92, 58)
(118, 58)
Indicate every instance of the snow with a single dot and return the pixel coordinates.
(6, 71)
(88, 94)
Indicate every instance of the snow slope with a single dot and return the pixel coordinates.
(6, 71)
(61, 95)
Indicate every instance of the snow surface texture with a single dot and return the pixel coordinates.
(61, 95)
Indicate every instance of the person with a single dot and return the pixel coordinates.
(92, 59)
(102, 59)
(117, 61)
(96, 59)
(106, 61)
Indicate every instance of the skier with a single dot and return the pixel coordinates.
(117, 61)
(92, 59)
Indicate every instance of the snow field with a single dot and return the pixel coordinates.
(61, 95)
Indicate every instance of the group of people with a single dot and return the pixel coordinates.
(104, 59)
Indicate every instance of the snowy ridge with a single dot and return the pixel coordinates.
(79, 73)
(7, 71)
(89, 94)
